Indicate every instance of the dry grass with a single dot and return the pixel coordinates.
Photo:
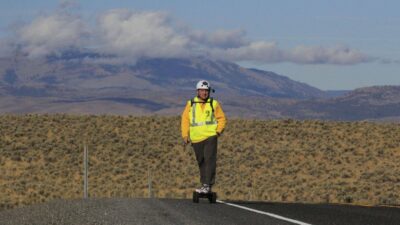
(275, 160)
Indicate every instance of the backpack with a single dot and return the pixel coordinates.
(211, 103)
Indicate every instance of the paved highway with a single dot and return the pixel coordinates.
(174, 211)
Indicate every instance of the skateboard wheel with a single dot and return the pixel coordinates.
(195, 197)
(212, 198)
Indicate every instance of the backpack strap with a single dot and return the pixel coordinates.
(211, 103)
(191, 102)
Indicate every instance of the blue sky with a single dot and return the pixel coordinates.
(332, 45)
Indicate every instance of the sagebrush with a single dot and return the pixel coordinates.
(263, 160)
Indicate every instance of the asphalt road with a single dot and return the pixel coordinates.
(174, 211)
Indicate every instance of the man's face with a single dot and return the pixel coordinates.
(203, 93)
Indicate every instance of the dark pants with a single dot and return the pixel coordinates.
(206, 156)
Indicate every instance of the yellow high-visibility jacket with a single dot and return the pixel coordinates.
(199, 122)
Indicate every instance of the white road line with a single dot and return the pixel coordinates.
(265, 213)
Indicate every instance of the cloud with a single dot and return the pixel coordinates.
(52, 33)
(220, 39)
(140, 34)
(389, 61)
(320, 55)
(254, 51)
(131, 35)
(269, 52)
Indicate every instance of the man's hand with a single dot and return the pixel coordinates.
(186, 140)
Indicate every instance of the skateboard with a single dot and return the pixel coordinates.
(212, 197)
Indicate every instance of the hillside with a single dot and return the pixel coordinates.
(379, 105)
(370, 103)
(62, 76)
(376, 95)
(272, 160)
(72, 83)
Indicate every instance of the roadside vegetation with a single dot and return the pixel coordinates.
(41, 158)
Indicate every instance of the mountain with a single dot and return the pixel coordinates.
(73, 71)
(224, 76)
(82, 83)
(369, 103)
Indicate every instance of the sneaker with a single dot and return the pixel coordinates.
(204, 189)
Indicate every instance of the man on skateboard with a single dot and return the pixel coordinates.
(203, 121)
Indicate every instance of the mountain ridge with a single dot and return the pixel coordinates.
(154, 74)
(162, 86)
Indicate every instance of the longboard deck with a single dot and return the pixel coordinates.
(212, 197)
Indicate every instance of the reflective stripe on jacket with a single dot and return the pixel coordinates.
(202, 120)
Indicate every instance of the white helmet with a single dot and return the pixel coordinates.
(203, 84)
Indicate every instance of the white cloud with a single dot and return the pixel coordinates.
(52, 33)
(269, 52)
(321, 55)
(153, 34)
(131, 35)
(140, 34)
(254, 51)
(220, 38)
